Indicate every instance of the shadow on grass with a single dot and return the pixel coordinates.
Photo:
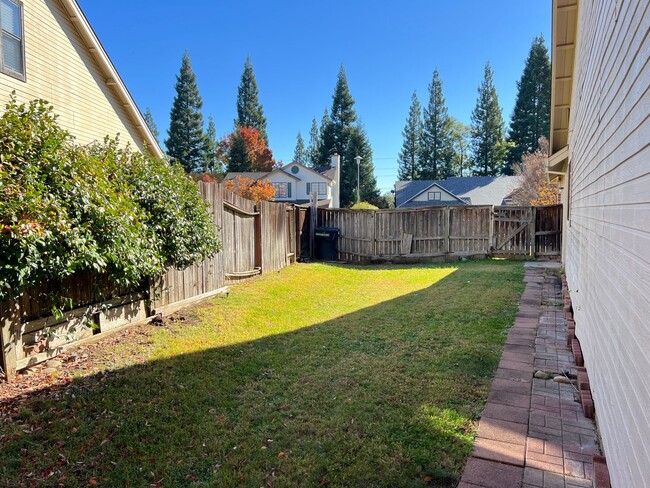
(384, 396)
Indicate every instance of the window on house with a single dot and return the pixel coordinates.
(320, 187)
(12, 45)
(282, 190)
(435, 195)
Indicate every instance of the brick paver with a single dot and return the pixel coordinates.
(533, 433)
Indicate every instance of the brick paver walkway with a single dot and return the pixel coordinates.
(532, 432)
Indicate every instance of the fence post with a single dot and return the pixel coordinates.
(313, 222)
(9, 330)
(374, 233)
(447, 215)
(533, 229)
(258, 237)
(491, 243)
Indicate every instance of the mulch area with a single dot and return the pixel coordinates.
(86, 360)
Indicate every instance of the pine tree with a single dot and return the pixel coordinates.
(323, 152)
(299, 153)
(186, 142)
(314, 144)
(436, 150)
(335, 133)
(358, 145)
(488, 145)
(531, 115)
(409, 156)
(249, 110)
(238, 159)
(148, 118)
(211, 162)
(339, 134)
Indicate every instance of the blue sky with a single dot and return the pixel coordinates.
(388, 49)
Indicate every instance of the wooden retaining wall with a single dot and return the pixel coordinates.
(255, 238)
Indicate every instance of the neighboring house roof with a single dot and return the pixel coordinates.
(250, 175)
(326, 171)
(434, 203)
(113, 78)
(475, 190)
(285, 173)
(260, 175)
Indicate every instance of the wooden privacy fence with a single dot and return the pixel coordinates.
(439, 231)
(256, 238)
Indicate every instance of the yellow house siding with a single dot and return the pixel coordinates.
(608, 233)
(61, 69)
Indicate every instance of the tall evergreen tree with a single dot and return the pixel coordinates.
(358, 145)
(211, 162)
(323, 153)
(409, 156)
(531, 117)
(186, 142)
(488, 145)
(148, 118)
(335, 134)
(300, 153)
(314, 144)
(436, 152)
(249, 110)
(340, 134)
(238, 158)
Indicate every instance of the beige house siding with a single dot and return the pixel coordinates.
(61, 69)
(608, 229)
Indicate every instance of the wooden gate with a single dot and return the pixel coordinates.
(532, 231)
(514, 230)
(241, 227)
(548, 230)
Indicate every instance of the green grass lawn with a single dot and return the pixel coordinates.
(319, 375)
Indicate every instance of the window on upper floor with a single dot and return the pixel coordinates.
(320, 187)
(282, 190)
(12, 42)
(435, 195)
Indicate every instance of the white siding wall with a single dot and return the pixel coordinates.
(61, 70)
(444, 196)
(608, 234)
(299, 187)
(282, 178)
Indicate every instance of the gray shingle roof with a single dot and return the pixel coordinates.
(432, 203)
(252, 175)
(480, 190)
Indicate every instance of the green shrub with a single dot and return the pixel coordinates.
(67, 208)
(364, 206)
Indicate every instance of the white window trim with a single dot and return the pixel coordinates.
(276, 185)
(8, 71)
(321, 185)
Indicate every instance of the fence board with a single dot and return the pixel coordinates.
(436, 231)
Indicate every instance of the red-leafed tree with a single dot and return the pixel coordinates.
(245, 150)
